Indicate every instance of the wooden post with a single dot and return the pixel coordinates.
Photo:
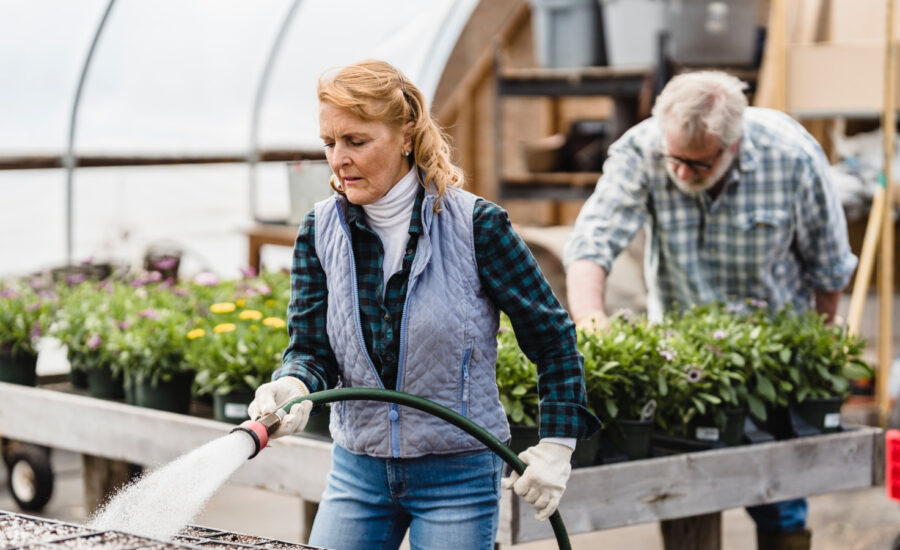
(102, 478)
(693, 533)
(886, 266)
(866, 263)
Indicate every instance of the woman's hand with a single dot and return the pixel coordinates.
(544, 480)
(272, 395)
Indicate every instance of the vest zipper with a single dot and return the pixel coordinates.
(464, 391)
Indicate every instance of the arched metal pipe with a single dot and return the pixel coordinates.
(262, 86)
(69, 160)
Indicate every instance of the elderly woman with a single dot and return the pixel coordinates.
(397, 282)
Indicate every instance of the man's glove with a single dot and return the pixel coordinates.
(592, 321)
(544, 480)
(272, 394)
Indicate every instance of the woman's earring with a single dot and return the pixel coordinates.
(405, 153)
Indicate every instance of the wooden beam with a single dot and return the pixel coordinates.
(886, 265)
(149, 437)
(35, 162)
(866, 263)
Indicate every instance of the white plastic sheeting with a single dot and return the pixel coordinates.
(179, 77)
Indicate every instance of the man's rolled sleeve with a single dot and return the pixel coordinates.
(822, 240)
(615, 211)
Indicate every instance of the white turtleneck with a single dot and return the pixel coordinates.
(389, 216)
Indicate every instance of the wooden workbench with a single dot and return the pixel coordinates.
(601, 497)
(267, 233)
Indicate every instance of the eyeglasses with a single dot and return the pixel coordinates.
(696, 165)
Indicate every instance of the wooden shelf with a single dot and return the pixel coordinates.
(611, 81)
(548, 185)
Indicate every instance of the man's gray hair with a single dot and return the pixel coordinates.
(703, 102)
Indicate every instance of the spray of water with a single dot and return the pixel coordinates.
(159, 504)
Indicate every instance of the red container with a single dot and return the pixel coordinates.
(892, 463)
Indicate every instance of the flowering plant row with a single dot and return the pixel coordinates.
(697, 365)
(231, 333)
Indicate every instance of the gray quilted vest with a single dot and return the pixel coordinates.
(448, 342)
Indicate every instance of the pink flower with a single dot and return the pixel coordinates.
(94, 341)
(248, 272)
(149, 313)
(205, 278)
(76, 278)
(36, 331)
(719, 334)
(123, 325)
(154, 276)
(8, 293)
(166, 263)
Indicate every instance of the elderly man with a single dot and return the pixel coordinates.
(737, 204)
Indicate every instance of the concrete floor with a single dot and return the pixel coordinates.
(853, 520)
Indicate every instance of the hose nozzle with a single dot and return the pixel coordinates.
(260, 429)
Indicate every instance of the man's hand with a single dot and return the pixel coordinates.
(544, 480)
(272, 394)
(592, 321)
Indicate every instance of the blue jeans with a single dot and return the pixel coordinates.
(446, 501)
(786, 516)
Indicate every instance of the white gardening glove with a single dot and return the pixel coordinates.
(544, 480)
(272, 394)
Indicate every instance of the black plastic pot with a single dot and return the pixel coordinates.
(823, 413)
(587, 451)
(232, 406)
(707, 429)
(634, 438)
(102, 383)
(20, 369)
(173, 395)
(78, 377)
(522, 437)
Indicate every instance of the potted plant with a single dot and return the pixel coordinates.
(823, 360)
(234, 351)
(517, 383)
(152, 344)
(24, 317)
(621, 383)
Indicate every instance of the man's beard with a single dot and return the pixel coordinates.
(698, 184)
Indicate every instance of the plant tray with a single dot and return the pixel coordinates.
(22, 532)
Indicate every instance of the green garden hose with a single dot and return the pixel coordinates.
(440, 411)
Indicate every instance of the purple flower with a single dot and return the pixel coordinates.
(205, 278)
(715, 351)
(8, 293)
(719, 334)
(33, 307)
(165, 263)
(154, 277)
(624, 314)
(757, 303)
(139, 282)
(123, 325)
(94, 341)
(734, 308)
(87, 261)
(180, 291)
(76, 278)
(149, 313)
(694, 375)
(666, 353)
(36, 330)
(248, 272)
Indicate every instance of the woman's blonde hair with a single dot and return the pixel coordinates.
(376, 91)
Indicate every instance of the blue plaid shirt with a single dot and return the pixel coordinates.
(511, 278)
(776, 232)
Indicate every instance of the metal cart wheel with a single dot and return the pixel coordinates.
(30, 478)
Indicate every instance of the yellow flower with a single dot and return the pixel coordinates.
(224, 327)
(196, 333)
(251, 315)
(273, 322)
(240, 302)
(270, 303)
(222, 307)
(253, 328)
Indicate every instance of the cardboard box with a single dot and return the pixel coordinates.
(852, 20)
(831, 79)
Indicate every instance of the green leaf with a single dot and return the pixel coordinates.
(765, 388)
(736, 359)
(785, 356)
(662, 384)
(756, 406)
